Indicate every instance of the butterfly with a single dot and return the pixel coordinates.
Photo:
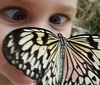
(54, 59)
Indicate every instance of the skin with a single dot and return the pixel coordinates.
(39, 13)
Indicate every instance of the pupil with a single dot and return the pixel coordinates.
(55, 20)
(19, 16)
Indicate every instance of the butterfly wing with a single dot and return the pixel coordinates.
(34, 51)
(53, 73)
(82, 60)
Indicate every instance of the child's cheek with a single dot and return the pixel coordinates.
(2, 59)
(3, 32)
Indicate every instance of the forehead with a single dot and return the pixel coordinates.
(71, 3)
(52, 1)
(58, 4)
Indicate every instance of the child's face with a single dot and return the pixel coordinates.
(54, 15)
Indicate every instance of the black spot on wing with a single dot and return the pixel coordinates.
(35, 38)
(90, 56)
(89, 84)
(73, 83)
(36, 70)
(48, 52)
(45, 37)
(92, 42)
(28, 65)
(94, 78)
(36, 53)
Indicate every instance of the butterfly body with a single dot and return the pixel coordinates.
(54, 60)
(62, 56)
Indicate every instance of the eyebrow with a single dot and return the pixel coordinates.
(69, 8)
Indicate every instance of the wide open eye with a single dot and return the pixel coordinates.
(58, 19)
(14, 14)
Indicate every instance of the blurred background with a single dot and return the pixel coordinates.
(88, 17)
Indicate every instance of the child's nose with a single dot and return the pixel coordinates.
(40, 23)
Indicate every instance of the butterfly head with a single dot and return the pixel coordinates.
(60, 35)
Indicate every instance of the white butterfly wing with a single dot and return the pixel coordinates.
(82, 60)
(35, 51)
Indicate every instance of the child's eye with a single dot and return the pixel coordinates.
(58, 19)
(14, 14)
